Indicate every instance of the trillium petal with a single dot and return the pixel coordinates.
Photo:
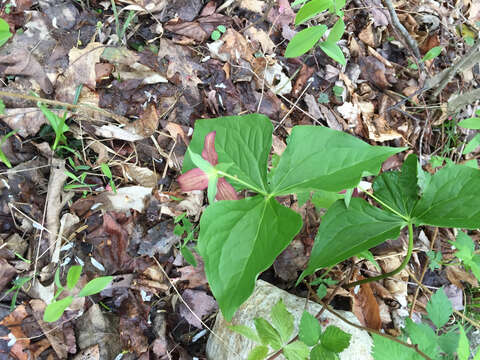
(194, 179)
(209, 153)
(225, 191)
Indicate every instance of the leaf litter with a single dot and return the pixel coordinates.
(164, 72)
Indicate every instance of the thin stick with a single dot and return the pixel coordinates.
(84, 107)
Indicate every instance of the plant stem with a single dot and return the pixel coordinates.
(236, 179)
(397, 270)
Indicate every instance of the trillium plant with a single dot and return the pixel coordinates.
(240, 236)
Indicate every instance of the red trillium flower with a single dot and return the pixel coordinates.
(197, 179)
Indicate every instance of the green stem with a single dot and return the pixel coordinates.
(236, 179)
(397, 270)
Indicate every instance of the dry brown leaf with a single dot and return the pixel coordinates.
(7, 272)
(365, 307)
(200, 303)
(373, 70)
(20, 350)
(147, 124)
(231, 47)
(457, 275)
(261, 37)
(141, 175)
(81, 71)
(53, 332)
(22, 62)
(256, 6)
(367, 36)
(91, 353)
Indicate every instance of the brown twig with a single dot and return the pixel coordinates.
(86, 108)
(422, 275)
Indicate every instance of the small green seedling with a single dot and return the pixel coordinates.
(106, 171)
(55, 310)
(323, 98)
(307, 38)
(184, 227)
(57, 123)
(17, 286)
(430, 55)
(276, 335)
(338, 91)
(5, 33)
(218, 32)
(3, 157)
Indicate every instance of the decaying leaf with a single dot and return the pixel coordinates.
(20, 349)
(200, 303)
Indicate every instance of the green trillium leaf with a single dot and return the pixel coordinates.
(399, 190)
(319, 158)
(238, 240)
(345, 232)
(450, 199)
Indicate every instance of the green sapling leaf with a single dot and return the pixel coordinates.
(311, 9)
(432, 53)
(304, 40)
(245, 331)
(310, 329)
(5, 33)
(335, 339)
(463, 350)
(321, 353)
(334, 51)
(268, 334)
(296, 350)
(258, 353)
(54, 311)
(73, 275)
(423, 336)
(95, 286)
(470, 123)
(282, 320)
(439, 308)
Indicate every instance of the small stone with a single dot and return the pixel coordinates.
(260, 304)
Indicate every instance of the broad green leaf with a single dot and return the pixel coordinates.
(2, 107)
(73, 275)
(335, 339)
(463, 350)
(54, 311)
(465, 247)
(470, 123)
(212, 189)
(268, 334)
(336, 32)
(424, 178)
(95, 286)
(423, 336)
(345, 232)
(303, 197)
(388, 349)
(282, 320)
(297, 350)
(472, 144)
(5, 33)
(239, 239)
(321, 353)
(432, 53)
(258, 353)
(439, 308)
(243, 142)
(450, 199)
(310, 329)
(448, 342)
(321, 291)
(319, 158)
(304, 40)
(334, 51)
(311, 9)
(245, 331)
(188, 256)
(399, 190)
(324, 199)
